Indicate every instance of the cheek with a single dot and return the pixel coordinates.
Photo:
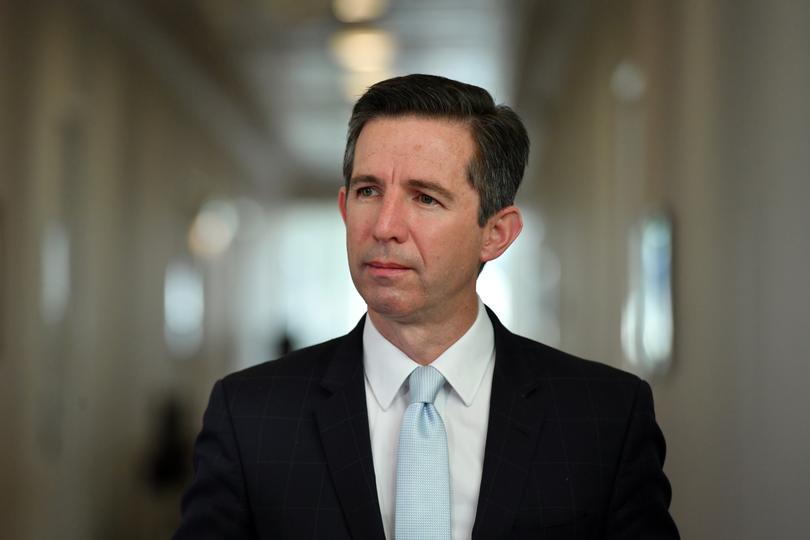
(455, 248)
(356, 229)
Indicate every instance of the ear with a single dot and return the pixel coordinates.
(342, 203)
(500, 231)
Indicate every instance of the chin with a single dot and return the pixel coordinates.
(388, 305)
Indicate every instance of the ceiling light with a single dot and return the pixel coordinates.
(213, 229)
(364, 50)
(352, 11)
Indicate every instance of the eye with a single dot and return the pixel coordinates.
(365, 191)
(427, 199)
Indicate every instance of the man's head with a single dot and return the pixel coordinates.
(418, 227)
(501, 142)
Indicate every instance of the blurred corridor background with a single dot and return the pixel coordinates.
(168, 181)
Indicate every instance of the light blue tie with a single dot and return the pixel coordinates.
(423, 472)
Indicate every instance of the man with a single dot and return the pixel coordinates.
(512, 440)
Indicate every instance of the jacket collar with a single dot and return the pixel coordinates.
(516, 414)
(343, 423)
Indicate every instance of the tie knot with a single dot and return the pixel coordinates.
(425, 382)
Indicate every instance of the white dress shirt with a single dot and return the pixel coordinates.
(463, 404)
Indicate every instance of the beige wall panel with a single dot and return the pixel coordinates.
(725, 148)
(105, 151)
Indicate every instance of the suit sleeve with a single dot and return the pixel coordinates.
(215, 505)
(640, 502)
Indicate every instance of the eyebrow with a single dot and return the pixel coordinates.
(426, 185)
(364, 179)
(435, 187)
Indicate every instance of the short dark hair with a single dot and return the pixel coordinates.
(502, 144)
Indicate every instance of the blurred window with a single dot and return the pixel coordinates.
(184, 309)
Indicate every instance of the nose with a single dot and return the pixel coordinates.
(392, 222)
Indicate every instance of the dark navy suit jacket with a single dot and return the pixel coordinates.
(572, 451)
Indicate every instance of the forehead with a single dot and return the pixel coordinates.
(414, 142)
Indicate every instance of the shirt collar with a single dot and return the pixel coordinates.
(463, 364)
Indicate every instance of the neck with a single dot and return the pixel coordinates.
(425, 340)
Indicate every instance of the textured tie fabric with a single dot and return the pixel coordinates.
(423, 471)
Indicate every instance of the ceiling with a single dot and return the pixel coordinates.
(274, 80)
(307, 87)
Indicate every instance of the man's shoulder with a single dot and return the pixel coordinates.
(550, 363)
(308, 362)
(578, 387)
(537, 360)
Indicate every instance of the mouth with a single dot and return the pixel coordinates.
(386, 268)
(386, 265)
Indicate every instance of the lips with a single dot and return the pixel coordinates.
(387, 265)
(386, 269)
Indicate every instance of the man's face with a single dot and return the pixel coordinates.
(413, 239)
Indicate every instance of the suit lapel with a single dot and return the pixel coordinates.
(343, 425)
(512, 435)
